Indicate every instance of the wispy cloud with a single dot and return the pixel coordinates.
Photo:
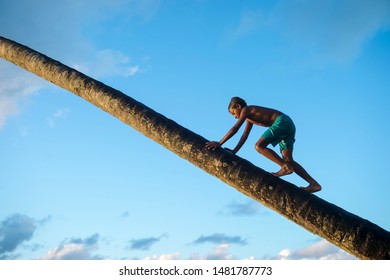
(249, 22)
(15, 230)
(75, 249)
(58, 115)
(106, 63)
(321, 250)
(47, 27)
(16, 86)
(49, 30)
(125, 214)
(332, 30)
(326, 31)
(219, 238)
(144, 244)
(247, 208)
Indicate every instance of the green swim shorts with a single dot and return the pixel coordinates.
(281, 132)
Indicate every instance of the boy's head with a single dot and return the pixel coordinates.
(236, 105)
(235, 102)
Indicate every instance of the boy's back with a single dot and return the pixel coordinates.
(260, 115)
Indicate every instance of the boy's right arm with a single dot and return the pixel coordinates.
(214, 144)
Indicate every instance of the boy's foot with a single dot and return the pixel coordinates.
(285, 170)
(312, 188)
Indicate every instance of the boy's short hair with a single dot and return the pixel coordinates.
(237, 100)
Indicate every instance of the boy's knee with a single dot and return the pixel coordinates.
(259, 147)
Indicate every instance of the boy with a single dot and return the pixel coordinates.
(281, 130)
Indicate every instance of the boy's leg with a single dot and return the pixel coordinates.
(300, 171)
(261, 147)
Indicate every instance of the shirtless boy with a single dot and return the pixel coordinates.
(281, 130)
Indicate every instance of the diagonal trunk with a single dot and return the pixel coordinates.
(353, 234)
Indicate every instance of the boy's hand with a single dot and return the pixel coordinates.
(213, 145)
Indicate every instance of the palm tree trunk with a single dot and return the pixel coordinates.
(353, 234)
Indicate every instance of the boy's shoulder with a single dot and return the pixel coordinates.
(248, 109)
(261, 109)
(254, 108)
(255, 111)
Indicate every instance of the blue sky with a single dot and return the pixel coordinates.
(77, 183)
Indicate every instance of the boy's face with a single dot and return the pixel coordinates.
(235, 111)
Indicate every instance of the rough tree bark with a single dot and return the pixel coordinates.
(353, 234)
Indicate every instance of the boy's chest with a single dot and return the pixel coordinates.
(256, 122)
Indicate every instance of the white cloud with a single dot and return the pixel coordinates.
(67, 252)
(131, 71)
(16, 86)
(322, 250)
(74, 249)
(43, 25)
(59, 114)
(174, 256)
(221, 252)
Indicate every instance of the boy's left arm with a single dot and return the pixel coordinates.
(243, 138)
